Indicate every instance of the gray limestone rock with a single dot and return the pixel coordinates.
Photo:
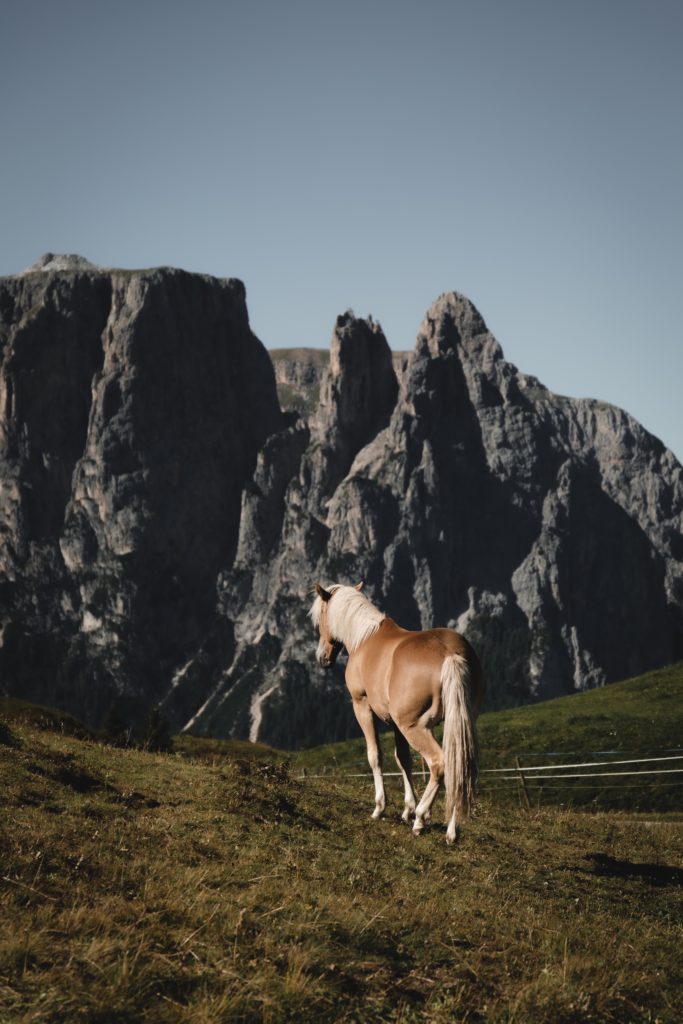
(133, 408)
(548, 529)
(298, 375)
(66, 261)
(162, 522)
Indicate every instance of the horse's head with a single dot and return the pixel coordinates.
(329, 645)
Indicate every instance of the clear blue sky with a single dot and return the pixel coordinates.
(372, 155)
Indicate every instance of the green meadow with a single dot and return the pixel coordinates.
(232, 882)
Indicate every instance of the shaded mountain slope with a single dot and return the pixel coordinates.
(162, 521)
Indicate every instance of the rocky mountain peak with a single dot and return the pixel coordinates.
(162, 521)
(359, 390)
(64, 261)
(135, 407)
(452, 321)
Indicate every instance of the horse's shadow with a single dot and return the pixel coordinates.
(655, 874)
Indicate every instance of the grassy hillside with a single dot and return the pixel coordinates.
(640, 717)
(212, 886)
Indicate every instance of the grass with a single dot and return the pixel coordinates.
(639, 717)
(640, 714)
(216, 885)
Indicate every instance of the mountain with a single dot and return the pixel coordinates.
(133, 407)
(163, 520)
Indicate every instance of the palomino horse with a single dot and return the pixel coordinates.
(414, 680)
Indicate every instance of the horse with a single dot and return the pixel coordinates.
(412, 680)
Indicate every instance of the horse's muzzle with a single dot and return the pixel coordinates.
(326, 657)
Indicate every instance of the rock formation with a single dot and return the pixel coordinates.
(133, 407)
(298, 375)
(163, 522)
(541, 526)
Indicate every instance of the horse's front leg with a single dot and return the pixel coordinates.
(368, 724)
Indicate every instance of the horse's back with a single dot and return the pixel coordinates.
(435, 642)
(400, 670)
(417, 664)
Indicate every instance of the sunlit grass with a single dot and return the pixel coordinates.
(640, 717)
(141, 887)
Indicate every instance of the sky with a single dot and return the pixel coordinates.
(372, 155)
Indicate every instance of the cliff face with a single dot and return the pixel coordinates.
(162, 522)
(133, 407)
(548, 529)
(298, 375)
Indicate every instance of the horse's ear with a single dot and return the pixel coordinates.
(322, 593)
(359, 586)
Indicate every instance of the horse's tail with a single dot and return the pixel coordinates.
(460, 744)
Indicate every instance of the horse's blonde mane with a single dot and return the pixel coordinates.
(351, 618)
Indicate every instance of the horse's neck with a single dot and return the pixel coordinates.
(358, 621)
(389, 626)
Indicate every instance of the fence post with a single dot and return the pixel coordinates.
(523, 783)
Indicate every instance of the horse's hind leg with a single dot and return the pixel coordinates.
(423, 741)
(403, 760)
(368, 724)
(452, 830)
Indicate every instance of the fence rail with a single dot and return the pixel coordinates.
(524, 775)
(587, 764)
